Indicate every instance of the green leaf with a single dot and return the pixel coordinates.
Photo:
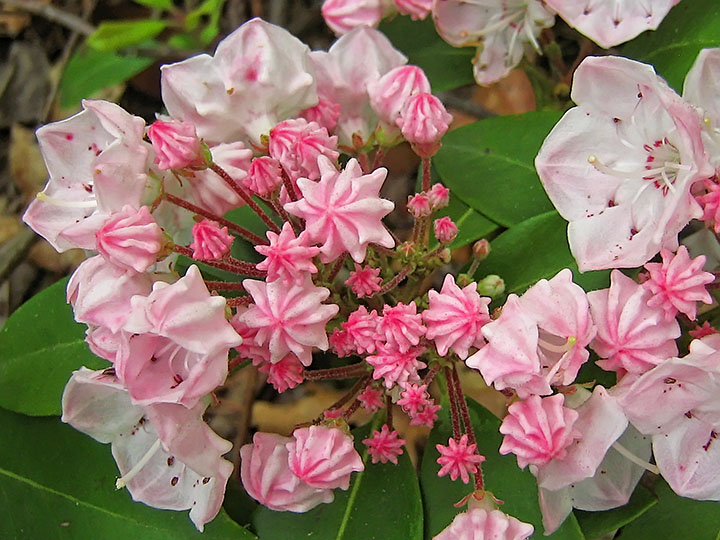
(382, 503)
(471, 224)
(489, 165)
(212, 9)
(673, 47)
(533, 250)
(446, 66)
(156, 4)
(58, 483)
(597, 524)
(675, 517)
(115, 35)
(503, 479)
(40, 346)
(89, 71)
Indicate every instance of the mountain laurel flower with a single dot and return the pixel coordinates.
(611, 23)
(326, 113)
(620, 170)
(538, 430)
(264, 176)
(419, 205)
(384, 445)
(372, 399)
(455, 316)
(423, 122)
(481, 524)
(323, 457)
(210, 241)
(287, 258)
(632, 336)
(439, 196)
(288, 318)
(413, 398)
(285, 374)
(458, 459)
(445, 230)
(344, 211)
(362, 330)
(297, 143)
(364, 281)
(344, 15)
(130, 239)
(395, 367)
(402, 325)
(176, 145)
(389, 94)
(267, 478)
(678, 283)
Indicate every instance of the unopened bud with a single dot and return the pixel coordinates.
(481, 249)
(491, 286)
(439, 196)
(419, 205)
(445, 256)
(176, 145)
(423, 122)
(445, 230)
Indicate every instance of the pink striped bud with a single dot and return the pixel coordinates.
(390, 93)
(423, 122)
(439, 196)
(176, 145)
(344, 15)
(210, 242)
(417, 9)
(264, 175)
(445, 230)
(419, 205)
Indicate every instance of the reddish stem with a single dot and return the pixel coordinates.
(241, 231)
(426, 174)
(289, 187)
(232, 265)
(377, 160)
(344, 372)
(479, 481)
(351, 409)
(335, 270)
(430, 375)
(454, 415)
(245, 196)
(394, 282)
(389, 414)
(224, 285)
(357, 387)
(240, 301)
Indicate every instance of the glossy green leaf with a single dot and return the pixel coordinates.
(211, 9)
(116, 35)
(89, 71)
(675, 517)
(597, 524)
(533, 250)
(157, 4)
(446, 66)
(382, 503)
(489, 165)
(673, 47)
(56, 482)
(503, 478)
(40, 346)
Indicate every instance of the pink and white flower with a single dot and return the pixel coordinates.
(210, 241)
(620, 170)
(364, 280)
(481, 524)
(343, 211)
(297, 144)
(287, 258)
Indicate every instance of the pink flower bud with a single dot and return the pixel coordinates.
(423, 122)
(344, 15)
(364, 281)
(384, 445)
(325, 113)
(297, 143)
(417, 9)
(390, 93)
(439, 196)
(445, 230)
(130, 239)
(323, 457)
(481, 249)
(176, 144)
(419, 205)
(210, 242)
(264, 175)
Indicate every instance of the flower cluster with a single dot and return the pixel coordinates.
(263, 123)
(501, 30)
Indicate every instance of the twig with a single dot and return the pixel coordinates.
(53, 14)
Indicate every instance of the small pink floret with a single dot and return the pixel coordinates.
(264, 175)
(423, 122)
(364, 281)
(384, 445)
(297, 143)
(130, 239)
(372, 399)
(210, 241)
(288, 258)
(458, 459)
(445, 230)
(402, 325)
(678, 283)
